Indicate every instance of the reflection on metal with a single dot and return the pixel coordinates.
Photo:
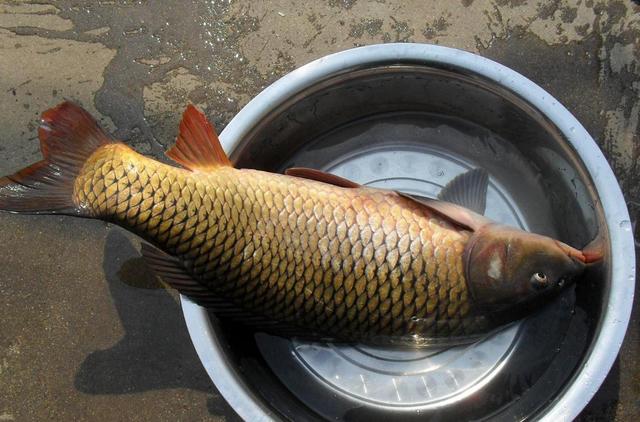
(421, 378)
(634, 208)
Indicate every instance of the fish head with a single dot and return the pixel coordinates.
(507, 268)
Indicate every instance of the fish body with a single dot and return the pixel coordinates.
(348, 262)
(337, 259)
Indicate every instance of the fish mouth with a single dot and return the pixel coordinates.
(584, 256)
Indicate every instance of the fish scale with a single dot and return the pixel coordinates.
(346, 262)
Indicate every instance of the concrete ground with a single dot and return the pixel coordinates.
(85, 331)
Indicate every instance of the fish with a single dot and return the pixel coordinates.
(305, 253)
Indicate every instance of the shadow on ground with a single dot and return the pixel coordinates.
(155, 351)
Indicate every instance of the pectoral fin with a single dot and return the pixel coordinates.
(462, 201)
(456, 214)
(468, 190)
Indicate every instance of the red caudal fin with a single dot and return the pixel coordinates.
(68, 136)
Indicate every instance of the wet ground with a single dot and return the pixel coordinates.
(85, 332)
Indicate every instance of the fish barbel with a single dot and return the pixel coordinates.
(304, 252)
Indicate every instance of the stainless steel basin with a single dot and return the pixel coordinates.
(412, 117)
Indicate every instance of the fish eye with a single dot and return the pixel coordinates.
(539, 279)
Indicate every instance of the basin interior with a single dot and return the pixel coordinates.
(414, 127)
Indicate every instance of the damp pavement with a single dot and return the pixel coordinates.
(86, 333)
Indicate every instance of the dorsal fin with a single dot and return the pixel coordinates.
(197, 146)
(321, 176)
(454, 213)
(468, 190)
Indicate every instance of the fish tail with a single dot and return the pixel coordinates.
(68, 137)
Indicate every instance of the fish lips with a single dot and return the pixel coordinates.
(585, 256)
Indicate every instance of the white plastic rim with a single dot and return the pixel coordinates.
(608, 339)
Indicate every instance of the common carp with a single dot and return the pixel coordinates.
(304, 252)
